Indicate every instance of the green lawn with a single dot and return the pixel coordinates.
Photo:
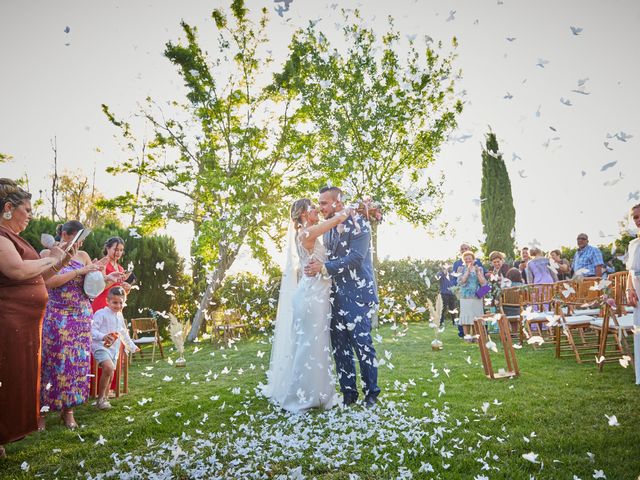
(206, 420)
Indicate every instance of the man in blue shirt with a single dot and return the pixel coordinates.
(588, 260)
(448, 298)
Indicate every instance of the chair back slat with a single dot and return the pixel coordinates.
(619, 288)
(140, 325)
(511, 297)
(584, 292)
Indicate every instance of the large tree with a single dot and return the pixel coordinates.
(379, 110)
(228, 156)
(496, 201)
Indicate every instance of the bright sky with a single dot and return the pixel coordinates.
(564, 178)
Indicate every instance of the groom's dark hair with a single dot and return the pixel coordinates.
(334, 190)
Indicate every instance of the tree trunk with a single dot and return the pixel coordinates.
(54, 180)
(374, 244)
(215, 282)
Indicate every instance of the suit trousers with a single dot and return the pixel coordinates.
(351, 333)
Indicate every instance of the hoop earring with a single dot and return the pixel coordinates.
(7, 215)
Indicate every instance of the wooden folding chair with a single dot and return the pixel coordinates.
(511, 301)
(616, 327)
(504, 330)
(141, 326)
(541, 298)
(585, 300)
(569, 295)
(619, 288)
(231, 326)
(120, 383)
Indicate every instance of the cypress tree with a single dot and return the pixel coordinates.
(496, 201)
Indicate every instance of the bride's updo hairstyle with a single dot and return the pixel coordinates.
(297, 209)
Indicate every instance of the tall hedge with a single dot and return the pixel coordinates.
(496, 201)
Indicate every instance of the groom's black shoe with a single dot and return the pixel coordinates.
(370, 402)
(346, 401)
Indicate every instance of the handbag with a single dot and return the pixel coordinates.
(483, 290)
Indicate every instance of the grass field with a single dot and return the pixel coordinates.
(438, 417)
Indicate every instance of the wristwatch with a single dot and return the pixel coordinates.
(323, 270)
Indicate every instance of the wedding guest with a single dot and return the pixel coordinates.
(66, 334)
(513, 278)
(588, 260)
(113, 251)
(564, 267)
(521, 263)
(495, 276)
(108, 330)
(470, 279)
(499, 267)
(458, 263)
(23, 297)
(633, 286)
(446, 280)
(456, 266)
(538, 268)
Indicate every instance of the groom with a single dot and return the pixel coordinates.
(354, 298)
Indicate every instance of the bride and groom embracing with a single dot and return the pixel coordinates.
(324, 308)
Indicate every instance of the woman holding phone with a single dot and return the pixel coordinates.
(23, 297)
(113, 252)
(66, 332)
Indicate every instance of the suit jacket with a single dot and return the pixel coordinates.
(350, 262)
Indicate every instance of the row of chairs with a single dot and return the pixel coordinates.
(574, 315)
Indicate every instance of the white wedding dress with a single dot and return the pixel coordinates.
(633, 265)
(300, 373)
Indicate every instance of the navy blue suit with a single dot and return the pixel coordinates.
(354, 299)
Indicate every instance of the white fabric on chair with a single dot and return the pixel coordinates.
(145, 340)
(579, 319)
(587, 311)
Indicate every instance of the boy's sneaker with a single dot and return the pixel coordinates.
(103, 404)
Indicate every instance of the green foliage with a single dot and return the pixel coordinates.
(496, 201)
(229, 171)
(228, 159)
(249, 299)
(404, 287)
(36, 227)
(380, 111)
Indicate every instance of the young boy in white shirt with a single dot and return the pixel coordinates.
(108, 329)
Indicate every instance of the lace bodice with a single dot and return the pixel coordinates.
(319, 253)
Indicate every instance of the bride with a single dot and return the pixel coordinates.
(300, 373)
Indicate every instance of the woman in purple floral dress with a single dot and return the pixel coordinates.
(66, 335)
